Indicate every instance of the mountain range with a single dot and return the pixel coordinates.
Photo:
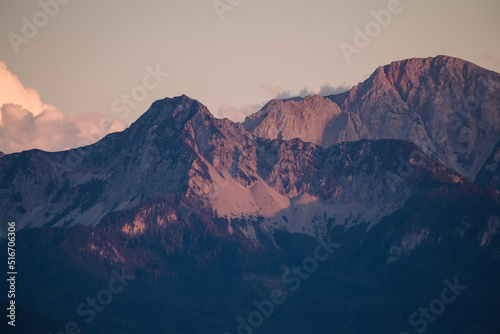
(401, 171)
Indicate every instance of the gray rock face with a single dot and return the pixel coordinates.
(448, 107)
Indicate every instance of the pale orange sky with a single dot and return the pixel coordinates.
(91, 53)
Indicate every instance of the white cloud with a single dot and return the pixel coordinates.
(280, 93)
(13, 91)
(51, 130)
(27, 123)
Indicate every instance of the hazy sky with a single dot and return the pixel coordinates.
(91, 53)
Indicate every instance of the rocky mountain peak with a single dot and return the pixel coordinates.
(167, 122)
(298, 117)
(447, 106)
(173, 112)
